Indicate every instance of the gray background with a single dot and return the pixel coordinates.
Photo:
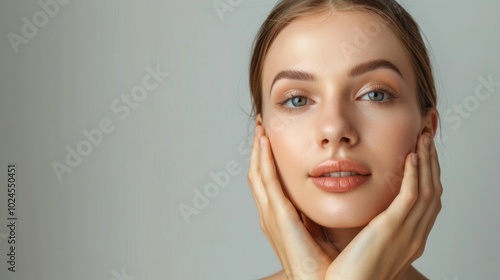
(116, 215)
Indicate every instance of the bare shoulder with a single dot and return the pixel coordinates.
(411, 274)
(280, 275)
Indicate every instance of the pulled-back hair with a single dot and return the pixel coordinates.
(393, 15)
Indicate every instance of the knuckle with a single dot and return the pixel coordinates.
(420, 251)
(427, 194)
(440, 206)
(249, 179)
(267, 178)
(439, 191)
(264, 179)
(263, 226)
(411, 197)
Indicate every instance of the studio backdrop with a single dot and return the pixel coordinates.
(125, 139)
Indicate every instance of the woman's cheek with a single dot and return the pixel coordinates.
(288, 157)
(282, 148)
(399, 141)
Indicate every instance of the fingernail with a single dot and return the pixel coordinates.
(414, 159)
(258, 130)
(262, 141)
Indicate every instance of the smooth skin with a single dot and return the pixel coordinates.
(384, 249)
(376, 231)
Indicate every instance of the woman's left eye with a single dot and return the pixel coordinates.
(297, 101)
(377, 96)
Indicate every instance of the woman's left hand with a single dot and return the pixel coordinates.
(395, 238)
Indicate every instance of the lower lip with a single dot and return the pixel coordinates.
(338, 184)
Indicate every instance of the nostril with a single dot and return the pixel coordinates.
(342, 140)
(345, 139)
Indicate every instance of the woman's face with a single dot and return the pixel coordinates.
(352, 96)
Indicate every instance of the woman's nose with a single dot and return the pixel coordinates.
(336, 125)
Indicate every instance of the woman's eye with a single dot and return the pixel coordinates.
(296, 101)
(377, 96)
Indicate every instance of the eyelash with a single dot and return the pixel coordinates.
(391, 96)
(290, 96)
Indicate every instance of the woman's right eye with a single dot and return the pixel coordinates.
(297, 101)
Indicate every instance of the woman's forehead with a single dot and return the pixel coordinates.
(333, 43)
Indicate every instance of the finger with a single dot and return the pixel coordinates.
(425, 185)
(254, 156)
(429, 219)
(425, 226)
(254, 181)
(261, 198)
(435, 206)
(270, 181)
(254, 173)
(404, 201)
(436, 170)
(284, 212)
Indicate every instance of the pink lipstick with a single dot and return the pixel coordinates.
(338, 176)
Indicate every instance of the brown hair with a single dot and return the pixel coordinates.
(398, 19)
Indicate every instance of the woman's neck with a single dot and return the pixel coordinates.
(340, 238)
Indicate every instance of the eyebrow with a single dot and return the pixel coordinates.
(355, 71)
(373, 65)
(293, 75)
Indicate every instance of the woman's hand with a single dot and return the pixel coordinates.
(388, 245)
(299, 253)
(384, 249)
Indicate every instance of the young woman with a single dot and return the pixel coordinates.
(343, 169)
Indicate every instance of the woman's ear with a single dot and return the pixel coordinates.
(430, 122)
(258, 119)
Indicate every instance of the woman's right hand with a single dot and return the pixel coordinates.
(301, 256)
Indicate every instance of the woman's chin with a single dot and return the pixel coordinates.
(345, 210)
(335, 223)
(342, 217)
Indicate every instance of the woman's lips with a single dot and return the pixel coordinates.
(339, 176)
(339, 184)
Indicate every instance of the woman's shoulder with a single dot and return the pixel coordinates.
(411, 274)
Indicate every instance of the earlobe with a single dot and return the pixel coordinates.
(430, 122)
(258, 119)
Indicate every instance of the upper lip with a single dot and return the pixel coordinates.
(341, 165)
